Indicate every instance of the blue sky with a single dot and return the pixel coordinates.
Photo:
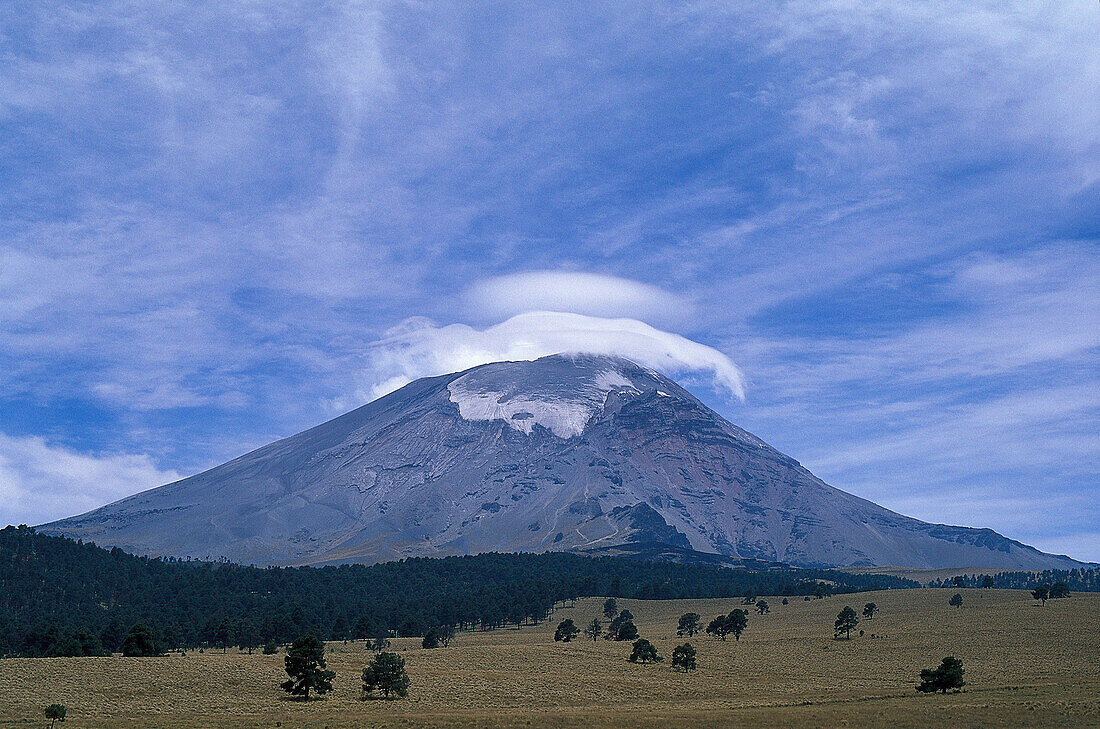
(865, 231)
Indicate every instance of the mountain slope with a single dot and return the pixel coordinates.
(578, 453)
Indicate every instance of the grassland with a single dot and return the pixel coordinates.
(1026, 665)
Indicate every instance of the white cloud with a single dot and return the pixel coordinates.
(573, 291)
(41, 483)
(420, 348)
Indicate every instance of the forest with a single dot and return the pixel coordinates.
(64, 597)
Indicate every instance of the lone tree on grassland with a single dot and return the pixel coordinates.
(1059, 590)
(610, 608)
(689, 625)
(1041, 593)
(431, 639)
(956, 600)
(683, 657)
(763, 607)
(566, 631)
(846, 620)
(949, 675)
(381, 641)
(305, 664)
(869, 610)
(387, 674)
(644, 652)
(594, 629)
(55, 712)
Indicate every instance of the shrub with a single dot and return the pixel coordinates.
(956, 600)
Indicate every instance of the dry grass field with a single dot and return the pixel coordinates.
(1025, 665)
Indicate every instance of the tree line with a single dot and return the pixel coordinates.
(63, 597)
(1076, 580)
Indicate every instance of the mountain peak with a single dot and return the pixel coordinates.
(560, 392)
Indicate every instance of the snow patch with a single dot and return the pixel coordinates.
(564, 412)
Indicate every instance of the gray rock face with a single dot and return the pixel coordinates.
(578, 453)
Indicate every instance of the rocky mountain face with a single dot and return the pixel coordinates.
(580, 453)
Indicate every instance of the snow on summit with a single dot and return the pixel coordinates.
(562, 400)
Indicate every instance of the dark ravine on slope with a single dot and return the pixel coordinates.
(582, 453)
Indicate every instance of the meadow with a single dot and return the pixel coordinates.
(1026, 665)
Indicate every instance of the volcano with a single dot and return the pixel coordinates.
(580, 453)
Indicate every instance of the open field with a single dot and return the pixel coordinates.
(1025, 665)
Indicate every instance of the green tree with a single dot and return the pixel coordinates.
(719, 627)
(1041, 593)
(956, 600)
(140, 641)
(689, 625)
(737, 620)
(56, 712)
(431, 639)
(386, 673)
(626, 630)
(949, 675)
(1059, 590)
(381, 641)
(683, 657)
(762, 607)
(566, 631)
(594, 629)
(247, 636)
(786, 601)
(987, 581)
(446, 634)
(958, 581)
(305, 664)
(644, 652)
(270, 648)
(846, 620)
(869, 610)
(610, 608)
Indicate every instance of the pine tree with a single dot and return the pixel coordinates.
(305, 664)
(846, 620)
(869, 610)
(762, 607)
(683, 657)
(56, 712)
(644, 652)
(387, 674)
(689, 625)
(610, 608)
(140, 641)
(594, 629)
(949, 675)
(566, 631)
(956, 600)
(737, 620)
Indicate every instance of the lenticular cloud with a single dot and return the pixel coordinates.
(421, 348)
